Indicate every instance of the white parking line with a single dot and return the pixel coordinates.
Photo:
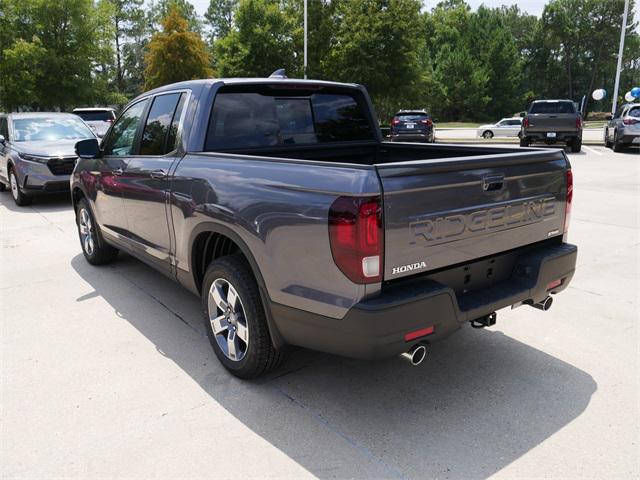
(592, 150)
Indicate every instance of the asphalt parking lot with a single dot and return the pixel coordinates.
(107, 372)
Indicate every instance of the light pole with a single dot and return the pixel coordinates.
(617, 84)
(305, 39)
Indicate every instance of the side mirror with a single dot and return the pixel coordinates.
(89, 148)
(608, 116)
(2, 140)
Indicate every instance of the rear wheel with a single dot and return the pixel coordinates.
(576, 145)
(607, 143)
(19, 198)
(235, 319)
(3, 187)
(488, 134)
(524, 142)
(617, 146)
(94, 248)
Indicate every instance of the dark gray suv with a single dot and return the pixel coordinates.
(37, 152)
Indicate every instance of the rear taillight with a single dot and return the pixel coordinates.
(630, 121)
(578, 123)
(525, 122)
(427, 122)
(395, 121)
(567, 209)
(356, 238)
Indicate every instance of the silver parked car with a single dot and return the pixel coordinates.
(99, 119)
(37, 153)
(507, 127)
(623, 129)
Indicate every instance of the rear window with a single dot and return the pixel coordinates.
(634, 112)
(553, 107)
(249, 119)
(412, 117)
(95, 116)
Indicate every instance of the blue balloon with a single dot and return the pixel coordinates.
(635, 92)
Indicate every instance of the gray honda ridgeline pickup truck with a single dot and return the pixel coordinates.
(277, 202)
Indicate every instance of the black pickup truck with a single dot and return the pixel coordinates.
(277, 203)
(552, 121)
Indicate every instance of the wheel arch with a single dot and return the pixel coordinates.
(210, 241)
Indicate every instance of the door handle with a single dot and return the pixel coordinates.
(158, 174)
(117, 171)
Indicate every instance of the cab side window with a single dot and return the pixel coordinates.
(121, 141)
(159, 135)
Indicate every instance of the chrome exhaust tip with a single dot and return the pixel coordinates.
(416, 354)
(544, 305)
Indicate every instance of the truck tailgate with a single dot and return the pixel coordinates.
(557, 122)
(439, 213)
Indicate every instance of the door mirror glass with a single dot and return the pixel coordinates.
(88, 148)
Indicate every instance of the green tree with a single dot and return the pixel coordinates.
(159, 9)
(175, 54)
(261, 42)
(70, 38)
(19, 71)
(129, 21)
(376, 44)
(219, 15)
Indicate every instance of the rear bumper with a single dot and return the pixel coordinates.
(412, 137)
(560, 137)
(376, 327)
(630, 139)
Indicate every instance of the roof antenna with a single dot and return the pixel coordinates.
(280, 73)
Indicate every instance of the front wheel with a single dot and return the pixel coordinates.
(19, 198)
(487, 135)
(235, 319)
(95, 250)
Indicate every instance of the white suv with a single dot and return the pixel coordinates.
(99, 119)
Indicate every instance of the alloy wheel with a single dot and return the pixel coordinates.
(228, 319)
(86, 231)
(14, 185)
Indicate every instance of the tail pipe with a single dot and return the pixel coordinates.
(544, 304)
(416, 354)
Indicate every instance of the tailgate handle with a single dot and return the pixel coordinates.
(492, 184)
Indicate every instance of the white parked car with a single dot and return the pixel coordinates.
(99, 119)
(507, 127)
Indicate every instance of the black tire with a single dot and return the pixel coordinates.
(3, 187)
(19, 197)
(617, 146)
(100, 252)
(487, 134)
(576, 145)
(259, 355)
(524, 142)
(607, 143)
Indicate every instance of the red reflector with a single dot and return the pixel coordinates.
(554, 284)
(419, 333)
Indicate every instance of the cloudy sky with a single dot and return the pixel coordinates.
(532, 6)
